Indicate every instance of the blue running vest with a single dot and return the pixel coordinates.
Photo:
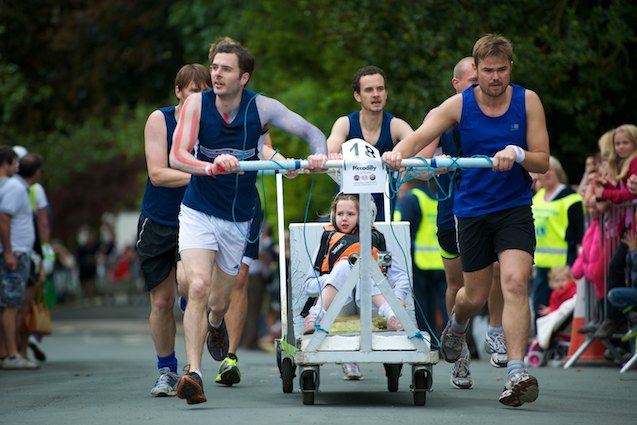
(481, 190)
(225, 194)
(161, 204)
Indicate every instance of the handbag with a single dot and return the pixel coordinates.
(39, 319)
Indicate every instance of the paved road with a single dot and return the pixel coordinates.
(101, 367)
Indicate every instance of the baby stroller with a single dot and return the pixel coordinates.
(556, 353)
(551, 343)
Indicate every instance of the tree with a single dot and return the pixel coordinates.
(77, 77)
(575, 56)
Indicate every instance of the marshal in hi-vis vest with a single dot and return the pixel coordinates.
(336, 246)
(551, 222)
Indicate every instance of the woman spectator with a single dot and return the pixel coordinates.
(622, 164)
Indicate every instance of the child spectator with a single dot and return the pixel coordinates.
(622, 164)
(555, 315)
(562, 286)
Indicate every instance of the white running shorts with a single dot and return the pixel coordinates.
(203, 231)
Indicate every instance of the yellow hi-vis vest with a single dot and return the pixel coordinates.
(426, 248)
(32, 198)
(551, 222)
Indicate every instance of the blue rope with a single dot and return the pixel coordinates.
(236, 186)
(309, 256)
(413, 293)
(418, 335)
(318, 327)
(394, 187)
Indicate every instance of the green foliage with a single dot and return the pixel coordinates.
(13, 91)
(306, 57)
(94, 142)
(72, 75)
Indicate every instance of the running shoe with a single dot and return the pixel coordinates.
(460, 374)
(451, 344)
(229, 373)
(166, 384)
(495, 346)
(36, 349)
(217, 341)
(190, 388)
(351, 372)
(19, 363)
(520, 388)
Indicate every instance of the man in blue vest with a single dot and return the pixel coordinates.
(464, 76)
(157, 227)
(493, 206)
(226, 123)
(378, 128)
(372, 124)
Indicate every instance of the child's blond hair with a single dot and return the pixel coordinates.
(559, 271)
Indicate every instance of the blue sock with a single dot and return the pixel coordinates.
(491, 330)
(170, 361)
(456, 327)
(514, 366)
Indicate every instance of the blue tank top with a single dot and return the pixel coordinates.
(161, 204)
(383, 144)
(225, 194)
(445, 220)
(481, 190)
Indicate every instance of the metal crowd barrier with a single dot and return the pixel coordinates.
(614, 221)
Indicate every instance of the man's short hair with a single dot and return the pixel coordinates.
(29, 165)
(461, 65)
(7, 154)
(228, 45)
(193, 72)
(368, 70)
(492, 45)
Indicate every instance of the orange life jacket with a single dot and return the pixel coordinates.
(336, 246)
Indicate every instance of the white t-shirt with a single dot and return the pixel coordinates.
(16, 204)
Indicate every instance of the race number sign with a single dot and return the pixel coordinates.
(363, 168)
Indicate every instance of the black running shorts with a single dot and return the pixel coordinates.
(156, 248)
(482, 238)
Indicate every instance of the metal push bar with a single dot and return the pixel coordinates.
(434, 163)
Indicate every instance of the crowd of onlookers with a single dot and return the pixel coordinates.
(599, 245)
(30, 261)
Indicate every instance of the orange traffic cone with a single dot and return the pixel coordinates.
(595, 350)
